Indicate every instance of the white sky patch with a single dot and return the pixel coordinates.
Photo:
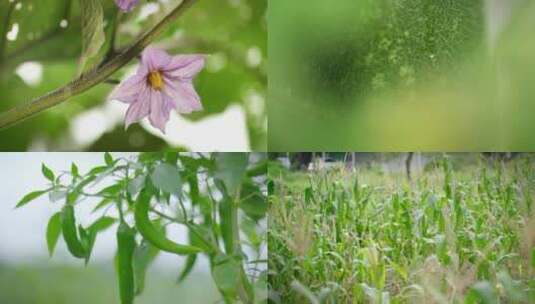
(13, 33)
(31, 73)
(226, 131)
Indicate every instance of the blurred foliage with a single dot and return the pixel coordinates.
(231, 32)
(399, 75)
(61, 284)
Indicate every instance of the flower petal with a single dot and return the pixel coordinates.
(184, 96)
(126, 5)
(138, 109)
(155, 59)
(128, 90)
(184, 66)
(159, 111)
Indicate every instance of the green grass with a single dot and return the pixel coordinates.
(455, 234)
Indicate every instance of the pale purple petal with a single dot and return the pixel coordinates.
(126, 5)
(184, 96)
(138, 109)
(184, 66)
(159, 111)
(154, 59)
(128, 90)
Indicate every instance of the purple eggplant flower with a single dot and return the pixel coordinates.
(162, 83)
(126, 5)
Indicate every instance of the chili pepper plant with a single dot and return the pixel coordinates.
(219, 198)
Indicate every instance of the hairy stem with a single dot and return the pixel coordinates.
(91, 78)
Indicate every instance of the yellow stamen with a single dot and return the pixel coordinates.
(155, 80)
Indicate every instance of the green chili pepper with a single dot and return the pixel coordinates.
(70, 235)
(151, 234)
(126, 244)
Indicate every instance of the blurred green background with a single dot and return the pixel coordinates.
(61, 284)
(42, 46)
(384, 75)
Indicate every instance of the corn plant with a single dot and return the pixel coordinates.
(454, 234)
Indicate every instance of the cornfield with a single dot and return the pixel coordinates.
(453, 234)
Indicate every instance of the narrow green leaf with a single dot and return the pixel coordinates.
(188, 267)
(226, 275)
(47, 172)
(230, 168)
(166, 177)
(113, 189)
(97, 170)
(144, 255)
(30, 197)
(135, 185)
(74, 170)
(226, 225)
(102, 223)
(103, 203)
(108, 159)
(53, 230)
(93, 37)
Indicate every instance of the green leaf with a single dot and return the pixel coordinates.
(230, 168)
(166, 177)
(102, 204)
(112, 190)
(102, 223)
(30, 197)
(188, 267)
(226, 275)
(108, 159)
(482, 292)
(47, 173)
(74, 170)
(53, 230)
(253, 203)
(144, 255)
(93, 37)
(87, 237)
(56, 195)
(226, 224)
(136, 184)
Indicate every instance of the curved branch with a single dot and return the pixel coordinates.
(92, 78)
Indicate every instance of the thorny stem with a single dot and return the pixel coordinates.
(93, 77)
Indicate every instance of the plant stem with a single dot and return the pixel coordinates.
(242, 292)
(3, 38)
(91, 78)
